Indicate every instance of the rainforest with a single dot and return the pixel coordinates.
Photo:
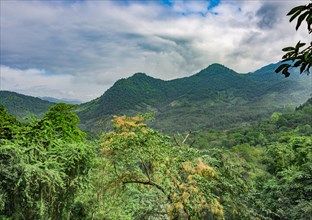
(214, 145)
(50, 169)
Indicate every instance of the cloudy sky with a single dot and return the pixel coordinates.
(78, 48)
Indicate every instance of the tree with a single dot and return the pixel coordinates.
(8, 124)
(178, 177)
(290, 165)
(44, 164)
(301, 54)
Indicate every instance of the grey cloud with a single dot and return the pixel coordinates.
(150, 47)
(268, 15)
(98, 42)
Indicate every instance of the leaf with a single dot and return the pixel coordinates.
(301, 18)
(295, 9)
(298, 63)
(288, 49)
(283, 66)
(306, 56)
(299, 45)
(294, 16)
(285, 72)
(309, 19)
(287, 55)
(303, 66)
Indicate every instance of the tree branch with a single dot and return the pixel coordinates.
(146, 170)
(186, 137)
(175, 140)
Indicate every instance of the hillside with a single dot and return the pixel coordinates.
(216, 97)
(21, 105)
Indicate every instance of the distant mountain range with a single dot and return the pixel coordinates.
(67, 101)
(216, 97)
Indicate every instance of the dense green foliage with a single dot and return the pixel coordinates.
(43, 165)
(280, 151)
(216, 97)
(23, 106)
(49, 171)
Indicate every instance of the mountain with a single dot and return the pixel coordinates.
(55, 100)
(216, 97)
(22, 106)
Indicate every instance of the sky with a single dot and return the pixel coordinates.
(77, 49)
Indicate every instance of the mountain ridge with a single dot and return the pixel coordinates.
(177, 104)
(22, 106)
(216, 97)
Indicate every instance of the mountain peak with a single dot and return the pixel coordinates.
(141, 77)
(218, 66)
(216, 69)
(139, 74)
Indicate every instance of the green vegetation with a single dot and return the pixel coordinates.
(44, 165)
(23, 106)
(216, 97)
(50, 171)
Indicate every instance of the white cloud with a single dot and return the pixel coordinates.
(86, 46)
(38, 83)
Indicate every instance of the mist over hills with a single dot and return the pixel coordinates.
(214, 98)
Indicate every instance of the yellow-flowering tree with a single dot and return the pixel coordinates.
(143, 158)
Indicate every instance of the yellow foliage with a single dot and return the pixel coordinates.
(205, 170)
(126, 124)
(170, 209)
(127, 134)
(179, 206)
(158, 178)
(217, 208)
(193, 190)
(185, 197)
(187, 166)
(175, 197)
(182, 186)
(168, 172)
(190, 178)
(107, 152)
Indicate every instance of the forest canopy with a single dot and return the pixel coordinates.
(50, 171)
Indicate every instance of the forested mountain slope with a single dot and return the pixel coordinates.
(216, 97)
(22, 105)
